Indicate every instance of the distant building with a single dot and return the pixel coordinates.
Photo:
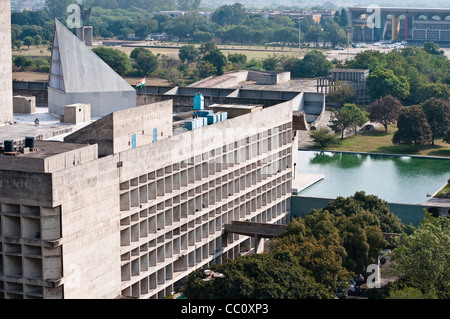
(356, 78)
(316, 15)
(415, 25)
(21, 5)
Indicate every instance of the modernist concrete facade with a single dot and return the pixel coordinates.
(411, 24)
(78, 75)
(6, 95)
(355, 78)
(112, 212)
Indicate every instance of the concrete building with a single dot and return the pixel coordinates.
(126, 205)
(113, 212)
(6, 95)
(416, 25)
(355, 78)
(78, 75)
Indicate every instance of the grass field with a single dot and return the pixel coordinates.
(169, 49)
(378, 141)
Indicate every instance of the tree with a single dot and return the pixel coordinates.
(239, 60)
(314, 33)
(385, 110)
(22, 62)
(343, 93)
(447, 137)
(314, 64)
(323, 136)
(335, 34)
(270, 63)
(413, 127)
(28, 41)
(316, 242)
(173, 76)
(206, 48)
(432, 48)
(360, 221)
(258, 276)
(188, 5)
(369, 59)
(382, 82)
(217, 59)
(422, 259)
(430, 90)
(388, 222)
(57, 8)
(437, 112)
(349, 116)
(145, 60)
(189, 54)
(229, 14)
(144, 27)
(343, 19)
(359, 116)
(206, 69)
(37, 40)
(116, 59)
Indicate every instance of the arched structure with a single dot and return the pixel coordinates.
(393, 23)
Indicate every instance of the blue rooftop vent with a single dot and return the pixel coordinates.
(199, 102)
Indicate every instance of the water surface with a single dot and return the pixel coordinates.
(392, 178)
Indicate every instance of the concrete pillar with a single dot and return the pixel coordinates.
(259, 244)
(394, 29)
(6, 92)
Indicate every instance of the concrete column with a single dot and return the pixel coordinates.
(394, 34)
(259, 244)
(6, 95)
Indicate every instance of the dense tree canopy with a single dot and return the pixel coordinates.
(116, 59)
(262, 276)
(316, 254)
(384, 82)
(422, 259)
(313, 64)
(145, 61)
(412, 74)
(437, 112)
(413, 127)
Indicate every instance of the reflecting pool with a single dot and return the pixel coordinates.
(395, 179)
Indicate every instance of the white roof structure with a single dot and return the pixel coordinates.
(78, 75)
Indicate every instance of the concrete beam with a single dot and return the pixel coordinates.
(261, 230)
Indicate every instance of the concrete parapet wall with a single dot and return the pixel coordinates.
(114, 133)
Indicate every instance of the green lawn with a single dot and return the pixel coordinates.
(380, 142)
